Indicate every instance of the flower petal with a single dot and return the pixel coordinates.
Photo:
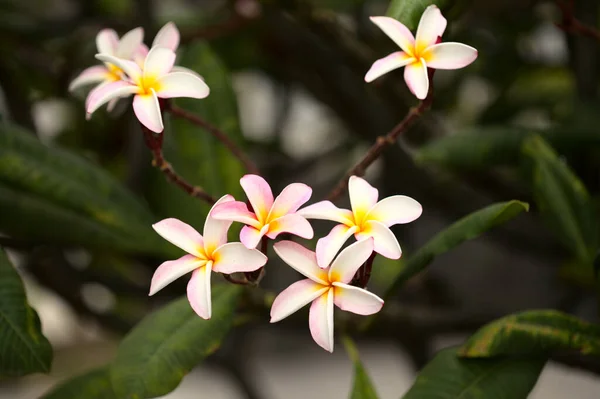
(396, 31)
(398, 209)
(344, 267)
(431, 26)
(356, 300)
(167, 36)
(303, 260)
(112, 104)
(236, 211)
(259, 194)
(291, 198)
(320, 320)
(181, 235)
(140, 54)
(415, 76)
(182, 84)
(235, 257)
(250, 237)
(178, 68)
(327, 211)
(106, 92)
(449, 56)
(385, 242)
(198, 291)
(107, 41)
(294, 298)
(129, 43)
(215, 230)
(88, 76)
(159, 62)
(171, 270)
(147, 109)
(363, 197)
(384, 65)
(129, 67)
(329, 246)
(293, 224)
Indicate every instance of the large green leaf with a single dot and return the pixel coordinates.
(447, 376)
(50, 194)
(362, 387)
(23, 347)
(467, 228)
(166, 345)
(563, 200)
(409, 11)
(536, 332)
(91, 385)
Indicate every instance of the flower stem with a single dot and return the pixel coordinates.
(571, 24)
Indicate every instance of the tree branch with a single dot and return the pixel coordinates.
(571, 24)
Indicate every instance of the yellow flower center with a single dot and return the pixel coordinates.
(114, 72)
(147, 84)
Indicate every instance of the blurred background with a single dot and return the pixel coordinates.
(287, 84)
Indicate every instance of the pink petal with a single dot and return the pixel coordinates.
(167, 36)
(215, 230)
(112, 104)
(356, 300)
(159, 62)
(363, 197)
(107, 92)
(415, 76)
(398, 209)
(171, 270)
(198, 291)
(88, 76)
(396, 31)
(385, 242)
(140, 54)
(291, 198)
(431, 26)
(129, 43)
(182, 84)
(302, 260)
(320, 321)
(294, 298)
(250, 237)
(107, 41)
(259, 194)
(344, 267)
(235, 257)
(327, 211)
(387, 64)
(147, 109)
(129, 67)
(449, 56)
(329, 246)
(236, 211)
(293, 224)
(181, 235)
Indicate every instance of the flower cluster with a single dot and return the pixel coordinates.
(330, 273)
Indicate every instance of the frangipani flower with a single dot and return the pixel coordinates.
(368, 218)
(421, 52)
(324, 288)
(269, 216)
(205, 255)
(156, 80)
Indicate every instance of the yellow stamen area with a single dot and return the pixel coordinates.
(114, 73)
(147, 84)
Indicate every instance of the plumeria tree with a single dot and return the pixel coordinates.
(156, 154)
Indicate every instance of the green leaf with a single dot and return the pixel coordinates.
(536, 332)
(49, 194)
(23, 347)
(409, 11)
(91, 385)
(166, 345)
(467, 228)
(447, 376)
(563, 200)
(363, 387)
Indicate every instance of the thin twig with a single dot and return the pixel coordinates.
(571, 24)
(217, 133)
(227, 27)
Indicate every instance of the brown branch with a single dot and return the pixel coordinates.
(217, 133)
(227, 27)
(571, 24)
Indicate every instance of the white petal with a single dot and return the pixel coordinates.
(345, 266)
(449, 56)
(171, 270)
(385, 242)
(431, 27)
(295, 297)
(215, 230)
(415, 76)
(147, 109)
(387, 64)
(159, 62)
(363, 197)
(398, 209)
(327, 211)
(95, 74)
(107, 41)
(182, 235)
(178, 68)
(396, 31)
(129, 44)
(104, 93)
(291, 223)
(129, 67)
(356, 300)
(302, 260)
(198, 291)
(329, 246)
(182, 84)
(235, 257)
(167, 36)
(320, 320)
(291, 198)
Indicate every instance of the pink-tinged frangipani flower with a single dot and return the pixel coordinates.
(269, 216)
(421, 52)
(205, 255)
(368, 218)
(156, 80)
(324, 288)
